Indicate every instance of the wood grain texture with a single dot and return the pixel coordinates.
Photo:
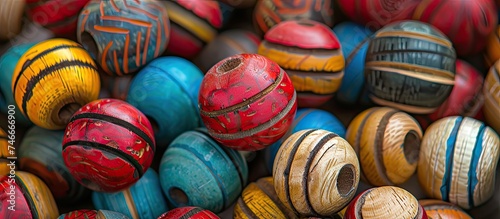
(437, 209)
(11, 18)
(315, 173)
(92, 214)
(458, 160)
(493, 48)
(491, 91)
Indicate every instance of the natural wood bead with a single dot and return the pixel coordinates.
(437, 209)
(383, 203)
(11, 18)
(387, 141)
(493, 47)
(316, 173)
(457, 161)
(491, 91)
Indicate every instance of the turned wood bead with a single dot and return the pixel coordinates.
(60, 64)
(458, 160)
(383, 203)
(247, 102)
(437, 209)
(5, 164)
(410, 66)
(316, 173)
(491, 91)
(189, 212)
(311, 55)
(493, 47)
(11, 21)
(92, 214)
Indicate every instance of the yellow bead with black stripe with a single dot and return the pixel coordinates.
(4, 153)
(52, 80)
(36, 195)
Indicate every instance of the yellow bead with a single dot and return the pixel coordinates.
(4, 153)
(443, 210)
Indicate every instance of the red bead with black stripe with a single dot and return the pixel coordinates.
(108, 145)
(189, 213)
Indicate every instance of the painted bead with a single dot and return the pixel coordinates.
(118, 87)
(143, 200)
(23, 195)
(306, 118)
(226, 44)
(268, 13)
(59, 16)
(5, 164)
(457, 161)
(493, 48)
(354, 39)
(385, 202)
(166, 91)
(189, 213)
(92, 214)
(467, 30)
(410, 66)
(108, 145)
(316, 173)
(259, 200)
(62, 65)
(123, 35)
(247, 102)
(491, 92)
(196, 171)
(311, 55)
(442, 210)
(40, 153)
(11, 21)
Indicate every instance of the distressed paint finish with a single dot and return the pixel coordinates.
(458, 160)
(247, 102)
(437, 209)
(64, 66)
(387, 141)
(12, 12)
(311, 55)
(316, 173)
(108, 145)
(123, 35)
(189, 212)
(217, 174)
(385, 202)
(143, 200)
(491, 91)
(493, 47)
(410, 66)
(92, 214)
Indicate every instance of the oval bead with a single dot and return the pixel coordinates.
(443, 210)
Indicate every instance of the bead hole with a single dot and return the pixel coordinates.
(89, 44)
(229, 65)
(411, 147)
(154, 124)
(346, 180)
(67, 111)
(178, 197)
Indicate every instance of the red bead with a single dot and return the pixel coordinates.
(189, 213)
(247, 102)
(108, 145)
(305, 35)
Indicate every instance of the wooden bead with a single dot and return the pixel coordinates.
(115, 148)
(11, 21)
(117, 87)
(5, 164)
(268, 13)
(92, 214)
(493, 47)
(443, 210)
(311, 55)
(410, 66)
(316, 173)
(354, 39)
(23, 195)
(144, 199)
(123, 35)
(62, 65)
(259, 200)
(457, 162)
(247, 102)
(491, 92)
(189, 212)
(385, 202)
(166, 91)
(467, 30)
(196, 171)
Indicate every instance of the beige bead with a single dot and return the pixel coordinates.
(491, 91)
(11, 14)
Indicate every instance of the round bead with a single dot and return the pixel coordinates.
(123, 35)
(62, 65)
(189, 212)
(11, 21)
(247, 102)
(354, 39)
(316, 173)
(217, 174)
(387, 141)
(268, 13)
(385, 202)
(40, 153)
(468, 29)
(491, 92)
(410, 66)
(493, 47)
(23, 195)
(166, 91)
(311, 55)
(443, 210)
(92, 214)
(108, 145)
(144, 199)
(457, 161)
(118, 87)
(5, 164)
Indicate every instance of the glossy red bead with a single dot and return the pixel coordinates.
(304, 35)
(189, 213)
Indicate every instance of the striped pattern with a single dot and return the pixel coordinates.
(62, 65)
(11, 14)
(189, 213)
(387, 142)
(437, 209)
(493, 48)
(410, 66)
(37, 195)
(315, 173)
(458, 160)
(491, 91)
(4, 153)
(92, 214)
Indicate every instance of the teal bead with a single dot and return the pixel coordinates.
(197, 171)
(143, 200)
(92, 214)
